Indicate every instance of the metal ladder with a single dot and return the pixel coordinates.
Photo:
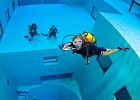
(29, 96)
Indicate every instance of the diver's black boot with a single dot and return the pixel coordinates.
(123, 49)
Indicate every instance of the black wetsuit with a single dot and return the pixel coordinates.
(31, 31)
(92, 49)
(53, 32)
(34, 28)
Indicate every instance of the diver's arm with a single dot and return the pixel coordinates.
(56, 31)
(51, 30)
(66, 46)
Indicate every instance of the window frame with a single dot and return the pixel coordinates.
(1, 31)
(104, 69)
(92, 12)
(13, 5)
(7, 13)
(119, 91)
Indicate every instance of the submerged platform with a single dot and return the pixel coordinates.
(67, 19)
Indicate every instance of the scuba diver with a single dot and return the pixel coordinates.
(52, 32)
(86, 46)
(32, 30)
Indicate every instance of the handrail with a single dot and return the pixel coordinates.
(29, 96)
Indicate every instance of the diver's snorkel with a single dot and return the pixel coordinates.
(67, 36)
(62, 45)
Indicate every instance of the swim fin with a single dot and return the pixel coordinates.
(44, 34)
(123, 49)
(26, 36)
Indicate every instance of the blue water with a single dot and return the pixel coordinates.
(22, 61)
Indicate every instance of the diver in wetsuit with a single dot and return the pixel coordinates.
(87, 49)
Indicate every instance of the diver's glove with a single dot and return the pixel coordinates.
(61, 46)
(65, 46)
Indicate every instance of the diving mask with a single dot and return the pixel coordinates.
(77, 42)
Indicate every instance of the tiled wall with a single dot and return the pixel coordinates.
(53, 92)
(135, 6)
(7, 85)
(101, 5)
(124, 71)
(34, 2)
(4, 5)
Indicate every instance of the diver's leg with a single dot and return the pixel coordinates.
(106, 53)
(109, 52)
(54, 34)
(32, 36)
(49, 36)
(93, 47)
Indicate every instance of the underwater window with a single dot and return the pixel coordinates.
(50, 60)
(13, 5)
(7, 15)
(105, 62)
(1, 31)
(21, 93)
(122, 94)
(57, 76)
(94, 12)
